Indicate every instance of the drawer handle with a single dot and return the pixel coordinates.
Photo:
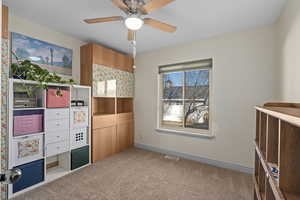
(57, 124)
(58, 136)
(57, 147)
(57, 113)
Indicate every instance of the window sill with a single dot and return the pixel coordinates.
(184, 133)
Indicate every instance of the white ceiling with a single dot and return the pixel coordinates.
(195, 19)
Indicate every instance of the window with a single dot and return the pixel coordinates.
(185, 97)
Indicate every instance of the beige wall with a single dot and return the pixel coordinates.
(288, 30)
(244, 74)
(23, 26)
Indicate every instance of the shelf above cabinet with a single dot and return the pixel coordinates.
(277, 147)
(283, 112)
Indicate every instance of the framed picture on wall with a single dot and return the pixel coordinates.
(52, 57)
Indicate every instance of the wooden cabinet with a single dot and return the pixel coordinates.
(5, 22)
(123, 62)
(112, 114)
(111, 134)
(125, 132)
(125, 135)
(104, 142)
(102, 55)
(97, 54)
(103, 121)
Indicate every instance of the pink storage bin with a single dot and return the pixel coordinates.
(54, 101)
(27, 124)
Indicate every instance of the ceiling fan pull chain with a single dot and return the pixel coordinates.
(133, 42)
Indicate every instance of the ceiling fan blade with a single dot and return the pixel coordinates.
(154, 5)
(160, 25)
(104, 19)
(131, 35)
(120, 4)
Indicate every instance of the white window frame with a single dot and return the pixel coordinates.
(193, 132)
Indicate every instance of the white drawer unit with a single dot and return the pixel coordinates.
(78, 137)
(57, 125)
(26, 149)
(52, 114)
(79, 117)
(57, 136)
(57, 148)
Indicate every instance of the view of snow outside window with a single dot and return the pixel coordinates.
(185, 99)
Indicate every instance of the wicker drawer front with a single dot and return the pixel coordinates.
(57, 148)
(53, 114)
(57, 125)
(103, 121)
(57, 136)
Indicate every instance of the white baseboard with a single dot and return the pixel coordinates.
(221, 164)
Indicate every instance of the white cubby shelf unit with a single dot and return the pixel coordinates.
(59, 145)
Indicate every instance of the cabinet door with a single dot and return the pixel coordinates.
(128, 64)
(103, 143)
(125, 135)
(120, 60)
(103, 56)
(123, 62)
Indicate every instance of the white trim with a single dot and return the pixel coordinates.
(216, 163)
(201, 133)
(185, 133)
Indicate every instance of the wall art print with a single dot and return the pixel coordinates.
(52, 57)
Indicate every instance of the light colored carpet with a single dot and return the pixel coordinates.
(137, 174)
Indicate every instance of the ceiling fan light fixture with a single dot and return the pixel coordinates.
(134, 22)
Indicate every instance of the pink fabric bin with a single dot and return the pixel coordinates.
(27, 124)
(54, 101)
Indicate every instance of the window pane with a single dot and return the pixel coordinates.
(172, 85)
(197, 84)
(196, 115)
(172, 113)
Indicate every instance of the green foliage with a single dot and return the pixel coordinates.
(22, 53)
(65, 60)
(27, 70)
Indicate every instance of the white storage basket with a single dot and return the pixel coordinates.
(26, 149)
(79, 117)
(78, 137)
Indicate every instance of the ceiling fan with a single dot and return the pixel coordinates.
(134, 10)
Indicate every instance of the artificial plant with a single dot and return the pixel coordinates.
(26, 70)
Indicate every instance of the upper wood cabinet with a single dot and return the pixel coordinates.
(100, 66)
(102, 55)
(5, 22)
(123, 62)
(97, 54)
